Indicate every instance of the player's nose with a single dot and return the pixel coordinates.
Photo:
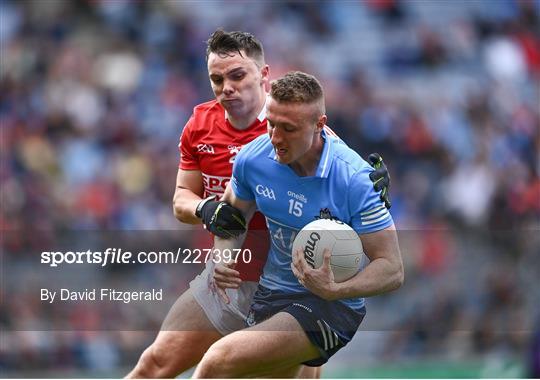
(228, 89)
(275, 136)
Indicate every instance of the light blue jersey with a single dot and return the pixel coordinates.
(289, 202)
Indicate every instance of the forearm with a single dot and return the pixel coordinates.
(380, 276)
(230, 244)
(184, 205)
(247, 208)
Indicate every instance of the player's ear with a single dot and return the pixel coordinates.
(265, 74)
(321, 123)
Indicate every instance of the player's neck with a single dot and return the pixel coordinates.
(241, 123)
(306, 166)
(245, 122)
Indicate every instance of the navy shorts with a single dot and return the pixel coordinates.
(329, 325)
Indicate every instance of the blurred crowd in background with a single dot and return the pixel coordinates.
(94, 95)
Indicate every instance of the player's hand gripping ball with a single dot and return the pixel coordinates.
(342, 241)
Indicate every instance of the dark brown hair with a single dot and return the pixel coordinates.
(223, 43)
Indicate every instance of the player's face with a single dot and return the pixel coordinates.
(238, 83)
(293, 128)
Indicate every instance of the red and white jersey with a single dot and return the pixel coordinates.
(209, 143)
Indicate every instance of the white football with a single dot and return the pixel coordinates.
(346, 247)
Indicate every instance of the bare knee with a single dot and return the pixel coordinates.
(218, 362)
(152, 364)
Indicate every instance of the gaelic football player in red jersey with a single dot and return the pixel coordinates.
(212, 137)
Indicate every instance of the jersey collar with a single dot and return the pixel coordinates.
(327, 156)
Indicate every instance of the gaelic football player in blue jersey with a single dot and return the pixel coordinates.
(300, 315)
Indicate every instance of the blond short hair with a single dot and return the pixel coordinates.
(298, 87)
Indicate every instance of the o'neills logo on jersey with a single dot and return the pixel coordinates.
(300, 197)
(214, 183)
(233, 150)
(309, 249)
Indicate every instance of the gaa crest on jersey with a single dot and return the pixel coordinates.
(265, 191)
(205, 148)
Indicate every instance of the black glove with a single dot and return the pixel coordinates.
(380, 178)
(221, 219)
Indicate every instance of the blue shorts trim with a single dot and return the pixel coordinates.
(329, 325)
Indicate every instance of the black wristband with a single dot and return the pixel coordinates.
(201, 205)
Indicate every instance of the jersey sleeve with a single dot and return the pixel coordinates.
(188, 156)
(239, 181)
(368, 212)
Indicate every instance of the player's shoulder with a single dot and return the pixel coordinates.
(350, 169)
(260, 145)
(348, 158)
(206, 112)
(250, 160)
(210, 106)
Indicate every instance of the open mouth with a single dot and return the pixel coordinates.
(281, 152)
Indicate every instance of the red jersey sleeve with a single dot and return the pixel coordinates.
(188, 156)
